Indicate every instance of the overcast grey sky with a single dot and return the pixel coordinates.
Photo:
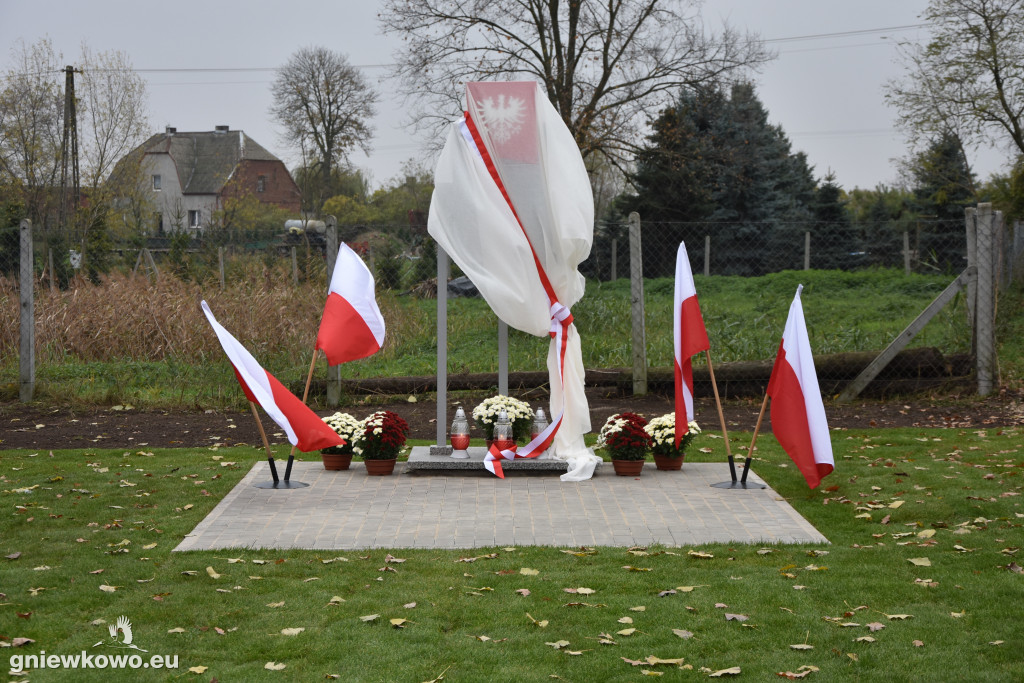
(211, 63)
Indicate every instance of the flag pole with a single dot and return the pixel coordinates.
(742, 483)
(721, 415)
(305, 395)
(753, 440)
(266, 444)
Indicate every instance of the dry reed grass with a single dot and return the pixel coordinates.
(131, 318)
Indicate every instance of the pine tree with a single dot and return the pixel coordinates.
(715, 158)
(943, 187)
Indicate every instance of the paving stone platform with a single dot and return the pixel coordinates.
(350, 510)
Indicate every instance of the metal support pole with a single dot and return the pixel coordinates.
(807, 251)
(443, 270)
(27, 357)
(636, 277)
(502, 357)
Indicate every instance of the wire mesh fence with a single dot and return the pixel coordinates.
(865, 286)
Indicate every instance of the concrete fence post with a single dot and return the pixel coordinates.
(27, 356)
(985, 307)
(636, 290)
(333, 371)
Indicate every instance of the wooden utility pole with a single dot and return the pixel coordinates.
(69, 196)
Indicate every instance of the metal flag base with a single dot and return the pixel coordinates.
(277, 483)
(281, 485)
(742, 483)
(737, 485)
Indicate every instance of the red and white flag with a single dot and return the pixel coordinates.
(305, 430)
(352, 326)
(798, 413)
(690, 339)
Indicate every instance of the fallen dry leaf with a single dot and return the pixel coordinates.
(369, 617)
(274, 666)
(292, 631)
(197, 669)
(213, 574)
(682, 633)
(731, 671)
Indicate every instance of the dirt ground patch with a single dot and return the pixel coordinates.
(55, 427)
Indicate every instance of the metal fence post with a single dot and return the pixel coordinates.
(707, 255)
(636, 289)
(986, 353)
(807, 251)
(27, 357)
(333, 371)
(971, 226)
(220, 266)
(906, 253)
(615, 256)
(295, 268)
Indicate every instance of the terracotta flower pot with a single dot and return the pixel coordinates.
(628, 468)
(378, 468)
(669, 462)
(336, 461)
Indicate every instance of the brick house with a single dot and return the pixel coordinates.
(188, 176)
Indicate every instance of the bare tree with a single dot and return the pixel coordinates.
(30, 127)
(968, 80)
(113, 112)
(325, 106)
(606, 66)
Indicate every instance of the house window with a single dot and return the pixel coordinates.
(193, 218)
(158, 223)
(261, 183)
(156, 182)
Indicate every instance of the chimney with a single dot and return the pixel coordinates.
(170, 131)
(221, 130)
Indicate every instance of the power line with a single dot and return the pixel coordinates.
(840, 34)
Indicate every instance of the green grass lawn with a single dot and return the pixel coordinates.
(868, 604)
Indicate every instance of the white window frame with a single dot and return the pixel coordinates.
(195, 218)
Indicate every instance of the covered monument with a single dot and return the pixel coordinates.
(513, 207)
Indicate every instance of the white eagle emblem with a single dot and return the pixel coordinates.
(503, 117)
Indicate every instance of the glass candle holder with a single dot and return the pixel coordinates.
(503, 432)
(460, 434)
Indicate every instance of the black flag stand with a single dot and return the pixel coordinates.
(276, 483)
(742, 483)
